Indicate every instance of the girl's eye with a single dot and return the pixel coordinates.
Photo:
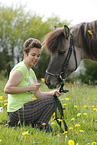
(61, 52)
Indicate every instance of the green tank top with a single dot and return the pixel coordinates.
(16, 101)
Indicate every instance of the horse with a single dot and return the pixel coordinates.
(67, 47)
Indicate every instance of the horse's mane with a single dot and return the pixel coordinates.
(54, 40)
(88, 33)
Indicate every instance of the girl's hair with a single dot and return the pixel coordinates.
(31, 43)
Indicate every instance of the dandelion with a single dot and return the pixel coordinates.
(5, 100)
(85, 106)
(78, 114)
(81, 130)
(70, 127)
(72, 119)
(59, 119)
(93, 106)
(77, 125)
(58, 135)
(65, 132)
(33, 98)
(43, 80)
(1, 102)
(1, 98)
(94, 109)
(62, 99)
(89, 31)
(0, 140)
(25, 133)
(84, 113)
(43, 123)
(5, 104)
(67, 99)
(65, 104)
(71, 142)
(94, 143)
(54, 113)
(52, 123)
(75, 106)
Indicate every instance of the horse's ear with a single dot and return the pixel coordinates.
(66, 31)
(55, 27)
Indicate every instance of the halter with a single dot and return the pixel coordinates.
(66, 62)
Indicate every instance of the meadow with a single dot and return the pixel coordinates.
(80, 114)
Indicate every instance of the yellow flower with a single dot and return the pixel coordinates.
(94, 143)
(62, 99)
(0, 140)
(43, 80)
(71, 142)
(81, 131)
(33, 98)
(65, 132)
(43, 123)
(78, 114)
(93, 106)
(1, 102)
(64, 104)
(72, 119)
(5, 100)
(85, 106)
(89, 31)
(59, 119)
(58, 135)
(77, 125)
(70, 127)
(84, 113)
(67, 99)
(5, 104)
(54, 113)
(25, 133)
(52, 123)
(75, 106)
(95, 109)
(1, 98)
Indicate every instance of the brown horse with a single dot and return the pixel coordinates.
(68, 46)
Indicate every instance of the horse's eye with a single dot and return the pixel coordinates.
(61, 52)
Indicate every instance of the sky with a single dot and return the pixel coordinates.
(76, 11)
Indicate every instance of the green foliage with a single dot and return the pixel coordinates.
(90, 75)
(80, 115)
(16, 26)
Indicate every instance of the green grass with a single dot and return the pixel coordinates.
(80, 114)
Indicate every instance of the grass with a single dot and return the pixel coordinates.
(80, 115)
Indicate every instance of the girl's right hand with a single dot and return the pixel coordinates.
(34, 87)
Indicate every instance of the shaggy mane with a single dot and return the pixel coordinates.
(54, 40)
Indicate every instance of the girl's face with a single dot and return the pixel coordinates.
(32, 57)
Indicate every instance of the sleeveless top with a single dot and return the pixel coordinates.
(16, 101)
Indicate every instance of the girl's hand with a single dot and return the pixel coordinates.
(57, 93)
(34, 87)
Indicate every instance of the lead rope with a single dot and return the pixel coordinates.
(60, 108)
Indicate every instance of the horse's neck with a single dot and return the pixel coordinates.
(85, 42)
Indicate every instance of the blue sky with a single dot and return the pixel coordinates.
(76, 10)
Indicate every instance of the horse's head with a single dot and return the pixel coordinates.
(63, 59)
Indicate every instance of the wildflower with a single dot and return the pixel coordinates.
(93, 106)
(67, 99)
(75, 106)
(84, 113)
(59, 119)
(5, 104)
(43, 123)
(65, 132)
(1, 102)
(71, 142)
(33, 98)
(52, 123)
(1, 98)
(54, 113)
(62, 99)
(78, 114)
(0, 140)
(77, 125)
(70, 127)
(72, 119)
(43, 80)
(81, 131)
(25, 133)
(64, 104)
(95, 109)
(58, 135)
(85, 106)
(94, 143)
(5, 100)
(89, 31)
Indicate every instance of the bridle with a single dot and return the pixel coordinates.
(66, 62)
